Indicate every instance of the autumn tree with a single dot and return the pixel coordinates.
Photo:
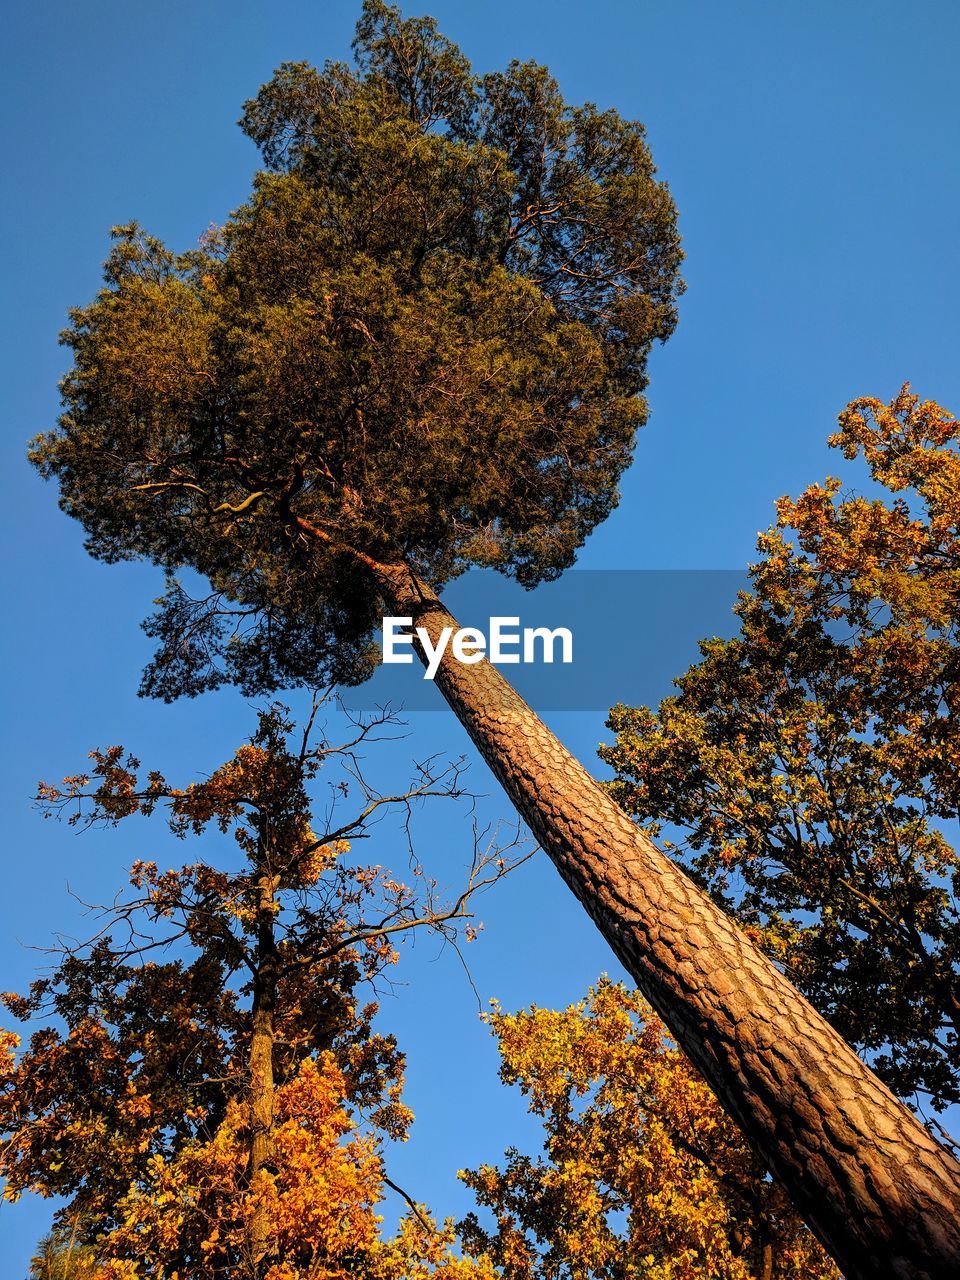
(808, 766)
(642, 1174)
(421, 345)
(208, 1094)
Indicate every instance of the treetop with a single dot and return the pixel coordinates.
(422, 340)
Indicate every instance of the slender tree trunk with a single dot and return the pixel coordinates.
(261, 1067)
(766, 1261)
(878, 1190)
(68, 1259)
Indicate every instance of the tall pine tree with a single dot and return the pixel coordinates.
(421, 345)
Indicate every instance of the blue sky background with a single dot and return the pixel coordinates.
(812, 150)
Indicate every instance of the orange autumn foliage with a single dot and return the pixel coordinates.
(321, 1198)
(206, 1093)
(806, 769)
(643, 1174)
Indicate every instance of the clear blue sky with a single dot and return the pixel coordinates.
(812, 150)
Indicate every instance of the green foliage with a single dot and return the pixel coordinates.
(423, 338)
(811, 763)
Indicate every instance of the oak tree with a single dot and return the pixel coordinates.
(808, 766)
(642, 1173)
(421, 345)
(206, 1090)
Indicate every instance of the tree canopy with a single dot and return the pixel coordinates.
(203, 1085)
(422, 339)
(642, 1174)
(810, 764)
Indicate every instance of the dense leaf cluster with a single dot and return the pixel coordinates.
(642, 1174)
(423, 338)
(134, 1098)
(811, 763)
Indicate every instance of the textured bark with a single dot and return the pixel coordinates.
(261, 1067)
(878, 1190)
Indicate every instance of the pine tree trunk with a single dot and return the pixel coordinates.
(261, 1070)
(880, 1193)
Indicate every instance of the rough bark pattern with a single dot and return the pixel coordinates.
(881, 1194)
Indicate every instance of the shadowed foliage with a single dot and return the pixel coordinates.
(421, 345)
(423, 338)
(810, 763)
(203, 1087)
